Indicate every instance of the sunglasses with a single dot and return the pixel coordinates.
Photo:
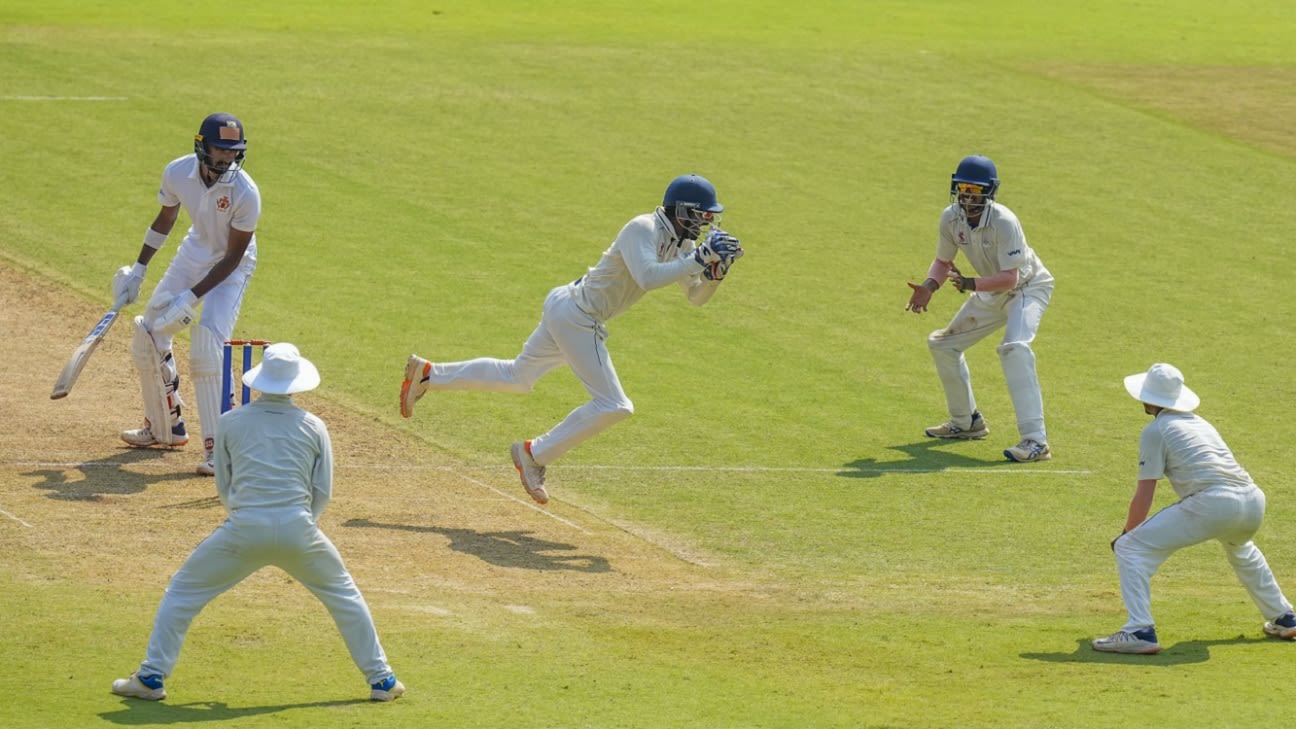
(970, 188)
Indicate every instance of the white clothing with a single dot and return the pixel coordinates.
(645, 255)
(997, 244)
(212, 210)
(1218, 501)
(1187, 450)
(274, 476)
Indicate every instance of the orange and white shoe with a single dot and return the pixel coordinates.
(531, 473)
(417, 371)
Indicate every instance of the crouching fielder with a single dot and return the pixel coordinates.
(1217, 500)
(274, 474)
(653, 250)
(213, 265)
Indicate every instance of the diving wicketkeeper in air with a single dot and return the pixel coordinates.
(680, 242)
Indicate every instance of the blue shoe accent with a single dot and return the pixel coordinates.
(1287, 621)
(152, 680)
(385, 684)
(1148, 634)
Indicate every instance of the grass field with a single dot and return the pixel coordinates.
(770, 541)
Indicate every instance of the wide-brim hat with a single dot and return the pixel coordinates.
(1162, 385)
(282, 371)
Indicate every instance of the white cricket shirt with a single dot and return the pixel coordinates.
(271, 454)
(212, 210)
(645, 255)
(997, 244)
(1188, 451)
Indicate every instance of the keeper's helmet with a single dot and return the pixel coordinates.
(221, 131)
(690, 201)
(973, 184)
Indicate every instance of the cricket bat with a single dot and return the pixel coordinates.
(72, 370)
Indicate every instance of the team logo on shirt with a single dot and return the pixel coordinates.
(962, 240)
(223, 204)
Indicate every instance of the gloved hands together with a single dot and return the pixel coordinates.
(717, 253)
(127, 281)
(180, 314)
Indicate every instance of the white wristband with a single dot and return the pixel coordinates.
(139, 270)
(154, 239)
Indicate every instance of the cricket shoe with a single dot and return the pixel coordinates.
(417, 371)
(1028, 450)
(208, 466)
(388, 689)
(1284, 627)
(143, 437)
(147, 687)
(531, 473)
(976, 431)
(1140, 642)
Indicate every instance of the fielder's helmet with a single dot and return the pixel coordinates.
(221, 131)
(691, 200)
(976, 170)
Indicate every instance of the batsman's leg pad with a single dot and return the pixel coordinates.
(206, 358)
(149, 362)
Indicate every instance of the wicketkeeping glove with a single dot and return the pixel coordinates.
(126, 282)
(717, 253)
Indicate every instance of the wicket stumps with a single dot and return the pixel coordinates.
(227, 372)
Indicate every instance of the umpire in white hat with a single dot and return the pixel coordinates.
(1217, 500)
(274, 475)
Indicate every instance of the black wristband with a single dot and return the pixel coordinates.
(934, 285)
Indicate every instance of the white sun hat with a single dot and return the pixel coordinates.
(1162, 385)
(282, 371)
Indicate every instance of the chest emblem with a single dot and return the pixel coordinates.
(223, 204)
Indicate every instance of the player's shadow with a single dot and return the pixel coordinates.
(1188, 651)
(515, 549)
(141, 713)
(107, 475)
(924, 456)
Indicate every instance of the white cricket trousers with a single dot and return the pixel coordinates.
(243, 544)
(1228, 514)
(1019, 315)
(565, 335)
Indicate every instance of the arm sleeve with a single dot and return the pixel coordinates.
(247, 212)
(1011, 244)
(1152, 453)
(698, 289)
(637, 249)
(224, 465)
(945, 247)
(166, 194)
(322, 473)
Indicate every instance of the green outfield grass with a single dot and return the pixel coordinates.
(428, 175)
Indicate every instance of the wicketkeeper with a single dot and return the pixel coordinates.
(653, 250)
(212, 266)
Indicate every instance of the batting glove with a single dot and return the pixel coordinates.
(180, 314)
(127, 281)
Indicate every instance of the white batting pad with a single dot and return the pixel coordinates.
(206, 357)
(153, 389)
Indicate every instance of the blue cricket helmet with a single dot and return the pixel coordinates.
(977, 170)
(221, 131)
(691, 201)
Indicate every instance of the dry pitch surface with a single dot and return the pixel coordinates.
(427, 538)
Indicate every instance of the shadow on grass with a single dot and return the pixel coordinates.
(925, 456)
(1188, 651)
(105, 475)
(159, 712)
(515, 549)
